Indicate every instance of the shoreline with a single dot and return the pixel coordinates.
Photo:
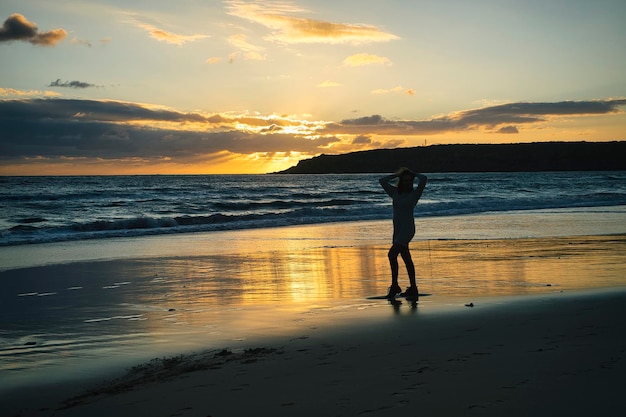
(523, 357)
(541, 223)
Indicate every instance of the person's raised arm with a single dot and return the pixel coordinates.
(384, 182)
(423, 179)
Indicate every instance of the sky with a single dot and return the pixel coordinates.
(211, 86)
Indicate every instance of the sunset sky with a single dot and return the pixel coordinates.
(211, 86)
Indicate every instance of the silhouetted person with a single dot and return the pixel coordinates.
(405, 199)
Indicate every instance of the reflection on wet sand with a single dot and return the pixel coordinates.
(525, 266)
(251, 290)
(258, 278)
(54, 314)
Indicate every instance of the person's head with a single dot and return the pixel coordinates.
(405, 180)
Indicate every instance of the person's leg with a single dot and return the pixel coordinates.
(394, 289)
(393, 262)
(410, 267)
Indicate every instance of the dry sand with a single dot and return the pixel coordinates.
(560, 352)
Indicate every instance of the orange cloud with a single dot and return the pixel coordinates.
(18, 28)
(169, 37)
(11, 92)
(287, 28)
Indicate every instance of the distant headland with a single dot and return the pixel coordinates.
(518, 157)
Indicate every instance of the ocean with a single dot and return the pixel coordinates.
(59, 209)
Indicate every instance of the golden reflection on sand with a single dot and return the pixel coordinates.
(250, 291)
(520, 266)
(291, 286)
(289, 274)
(275, 276)
(269, 291)
(312, 275)
(275, 287)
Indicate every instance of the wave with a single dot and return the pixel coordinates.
(282, 204)
(107, 207)
(145, 225)
(29, 220)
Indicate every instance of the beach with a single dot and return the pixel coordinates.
(546, 357)
(278, 322)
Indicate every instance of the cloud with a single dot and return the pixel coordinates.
(327, 84)
(71, 111)
(12, 92)
(240, 41)
(534, 110)
(64, 128)
(88, 43)
(397, 90)
(89, 131)
(287, 28)
(508, 129)
(361, 140)
(487, 117)
(250, 51)
(18, 28)
(70, 84)
(373, 120)
(168, 37)
(360, 60)
(254, 56)
(83, 42)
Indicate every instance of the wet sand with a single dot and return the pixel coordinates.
(541, 356)
(543, 334)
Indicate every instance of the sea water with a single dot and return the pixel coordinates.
(54, 209)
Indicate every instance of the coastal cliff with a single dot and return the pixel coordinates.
(519, 157)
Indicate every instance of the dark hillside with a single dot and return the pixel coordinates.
(540, 156)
